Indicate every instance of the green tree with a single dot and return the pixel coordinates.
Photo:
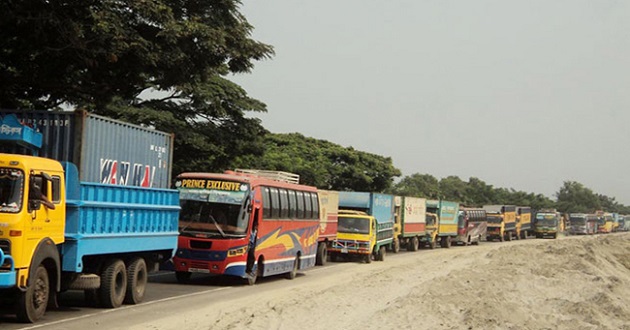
(573, 197)
(101, 55)
(417, 185)
(452, 188)
(322, 163)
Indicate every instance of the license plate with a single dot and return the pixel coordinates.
(344, 250)
(198, 270)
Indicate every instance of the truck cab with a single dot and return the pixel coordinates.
(547, 224)
(356, 236)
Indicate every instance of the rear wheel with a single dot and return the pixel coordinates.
(32, 302)
(137, 278)
(380, 256)
(113, 284)
(413, 244)
(322, 254)
(396, 246)
(445, 242)
(293, 273)
(432, 244)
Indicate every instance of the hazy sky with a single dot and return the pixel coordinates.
(520, 94)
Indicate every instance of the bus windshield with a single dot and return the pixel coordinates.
(214, 211)
(11, 190)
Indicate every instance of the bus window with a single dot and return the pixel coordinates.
(308, 206)
(284, 203)
(266, 203)
(275, 203)
(300, 204)
(292, 204)
(315, 203)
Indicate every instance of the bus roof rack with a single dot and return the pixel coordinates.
(273, 175)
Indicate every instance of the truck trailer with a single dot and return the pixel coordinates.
(58, 233)
(501, 222)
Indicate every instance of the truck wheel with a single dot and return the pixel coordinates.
(413, 244)
(322, 254)
(32, 303)
(183, 277)
(445, 242)
(396, 246)
(367, 258)
(137, 278)
(432, 244)
(293, 273)
(381, 254)
(113, 284)
(523, 235)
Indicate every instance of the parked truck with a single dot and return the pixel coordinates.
(329, 207)
(58, 233)
(365, 225)
(472, 226)
(441, 223)
(582, 224)
(548, 223)
(412, 222)
(501, 222)
(606, 222)
(524, 226)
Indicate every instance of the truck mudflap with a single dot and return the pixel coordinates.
(7, 278)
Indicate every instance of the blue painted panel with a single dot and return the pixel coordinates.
(105, 219)
(383, 208)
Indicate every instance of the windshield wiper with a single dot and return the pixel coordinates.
(217, 225)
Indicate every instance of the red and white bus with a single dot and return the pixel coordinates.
(245, 223)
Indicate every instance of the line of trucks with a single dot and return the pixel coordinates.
(82, 208)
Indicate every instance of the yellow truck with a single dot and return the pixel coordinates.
(501, 222)
(524, 226)
(58, 233)
(356, 236)
(547, 223)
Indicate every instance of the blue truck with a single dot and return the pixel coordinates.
(380, 209)
(58, 233)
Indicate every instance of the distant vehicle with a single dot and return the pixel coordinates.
(606, 222)
(501, 222)
(582, 224)
(247, 224)
(524, 225)
(547, 223)
(374, 223)
(441, 223)
(411, 221)
(472, 226)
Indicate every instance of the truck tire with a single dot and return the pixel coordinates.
(396, 246)
(86, 282)
(183, 277)
(367, 258)
(445, 242)
(32, 303)
(322, 254)
(380, 255)
(413, 244)
(137, 278)
(293, 273)
(113, 284)
(432, 244)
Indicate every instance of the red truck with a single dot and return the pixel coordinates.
(471, 226)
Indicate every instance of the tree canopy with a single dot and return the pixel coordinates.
(323, 164)
(101, 55)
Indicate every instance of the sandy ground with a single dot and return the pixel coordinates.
(568, 283)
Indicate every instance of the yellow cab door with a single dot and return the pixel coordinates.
(44, 221)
